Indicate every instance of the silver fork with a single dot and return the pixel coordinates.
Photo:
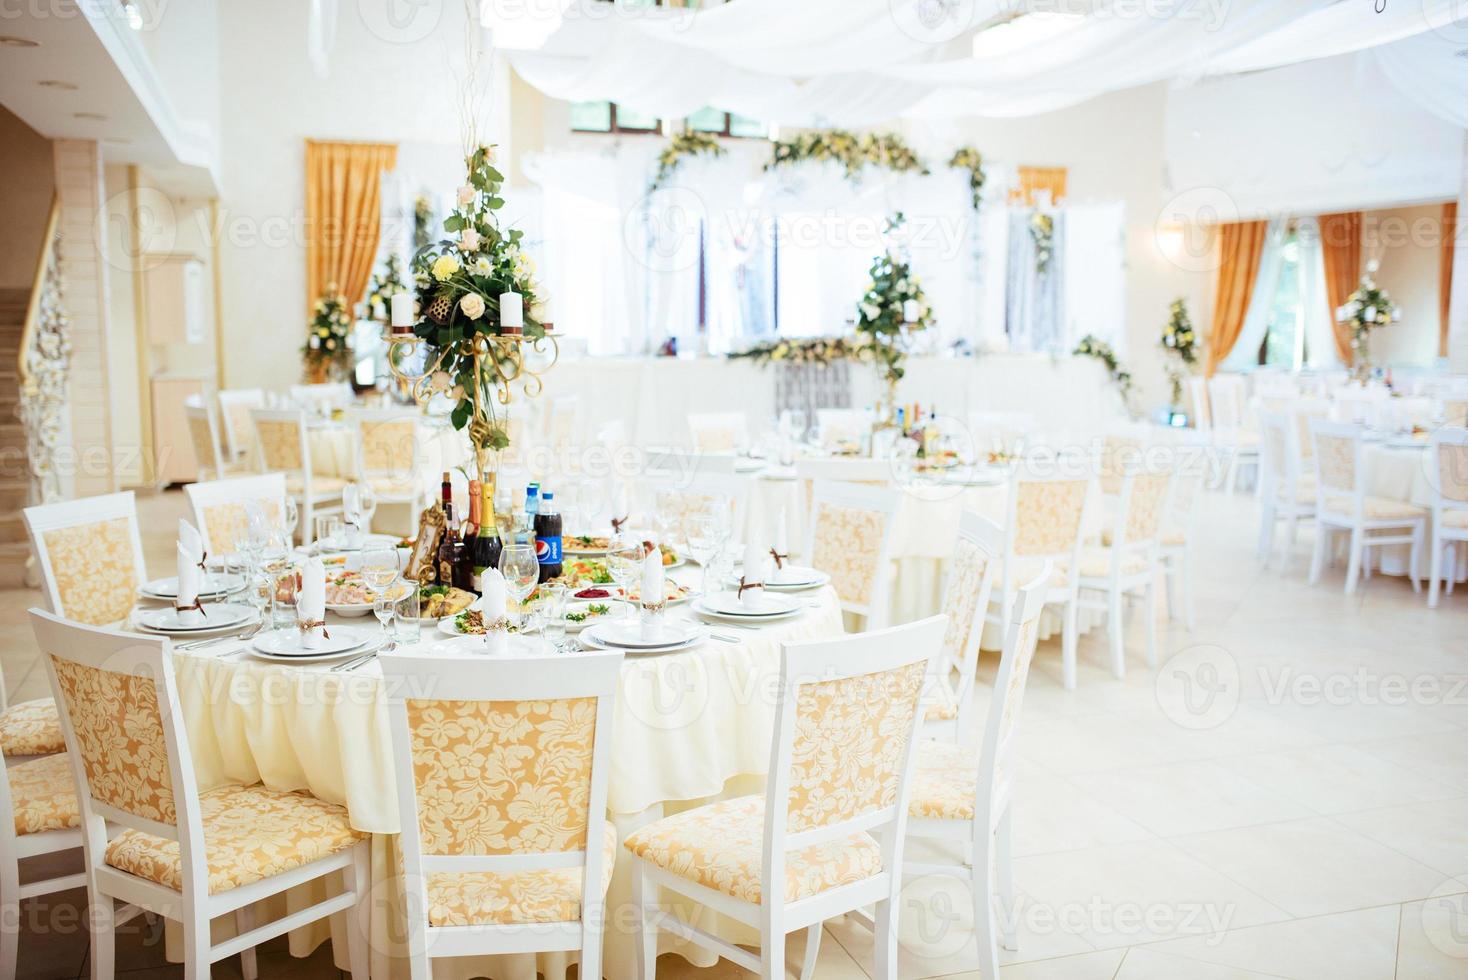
(200, 644)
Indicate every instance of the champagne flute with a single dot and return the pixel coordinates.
(703, 541)
(521, 571)
(366, 506)
(624, 561)
(383, 607)
(290, 518)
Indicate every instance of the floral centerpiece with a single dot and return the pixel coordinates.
(807, 350)
(1092, 346)
(460, 283)
(969, 159)
(1042, 232)
(1180, 342)
(1368, 308)
(385, 283)
(892, 309)
(686, 144)
(327, 350)
(854, 153)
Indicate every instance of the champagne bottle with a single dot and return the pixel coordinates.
(487, 544)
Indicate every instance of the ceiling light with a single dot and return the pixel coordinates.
(60, 86)
(92, 116)
(11, 41)
(133, 14)
(1020, 32)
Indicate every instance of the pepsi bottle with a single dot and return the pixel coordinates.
(548, 537)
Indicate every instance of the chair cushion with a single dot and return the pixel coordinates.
(1455, 518)
(386, 486)
(44, 795)
(321, 486)
(945, 783)
(1377, 508)
(470, 898)
(1096, 563)
(719, 846)
(1171, 539)
(31, 728)
(250, 833)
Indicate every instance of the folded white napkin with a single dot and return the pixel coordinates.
(756, 566)
(652, 577)
(781, 544)
(311, 603)
(492, 605)
(190, 610)
(190, 540)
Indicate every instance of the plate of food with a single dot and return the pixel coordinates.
(673, 593)
(583, 613)
(347, 594)
(438, 601)
(585, 544)
(582, 572)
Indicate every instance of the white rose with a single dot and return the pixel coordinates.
(468, 240)
(473, 305)
(870, 311)
(466, 194)
(482, 266)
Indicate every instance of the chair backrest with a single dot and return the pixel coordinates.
(1045, 516)
(1448, 470)
(1338, 452)
(563, 413)
(1143, 508)
(678, 498)
(1202, 410)
(281, 434)
(1455, 412)
(999, 432)
(719, 432)
(235, 421)
(387, 442)
(1227, 400)
(1190, 460)
(1001, 729)
(1121, 452)
(1282, 459)
(1303, 410)
(976, 556)
(501, 766)
(221, 507)
(91, 556)
(842, 757)
(204, 434)
(850, 538)
(124, 730)
(842, 425)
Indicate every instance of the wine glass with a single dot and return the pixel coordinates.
(383, 607)
(366, 506)
(521, 570)
(703, 541)
(624, 562)
(290, 518)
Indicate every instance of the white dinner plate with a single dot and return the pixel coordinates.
(300, 658)
(328, 546)
(214, 584)
(705, 611)
(589, 640)
(795, 578)
(624, 635)
(288, 641)
(217, 617)
(760, 605)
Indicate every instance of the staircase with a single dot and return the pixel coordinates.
(14, 480)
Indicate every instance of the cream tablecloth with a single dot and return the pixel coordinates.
(688, 727)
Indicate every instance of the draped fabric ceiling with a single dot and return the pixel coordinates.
(862, 62)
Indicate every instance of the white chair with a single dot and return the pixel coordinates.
(1239, 444)
(562, 429)
(322, 399)
(235, 422)
(501, 770)
(1044, 520)
(1342, 504)
(1128, 566)
(285, 447)
(843, 426)
(676, 498)
(849, 537)
(221, 507)
(1000, 433)
(182, 855)
(719, 432)
(966, 593)
(1202, 410)
(91, 556)
(388, 451)
(826, 837)
(684, 462)
(204, 435)
(1448, 474)
(1286, 493)
(1180, 527)
(964, 798)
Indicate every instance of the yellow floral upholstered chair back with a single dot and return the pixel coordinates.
(1147, 506)
(961, 598)
(201, 434)
(280, 444)
(1455, 413)
(714, 440)
(1005, 745)
(850, 741)
(1119, 456)
(1452, 470)
(1276, 444)
(1337, 461)
(119, 734)
(225, 523)
(1047, 516)
(390, 445)
(94, 568)
(502, 777)
(847, 545)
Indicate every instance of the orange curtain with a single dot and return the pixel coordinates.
(1240, 244)
(1445, 275)
(1340, 244)
(343, 215)
(1032, 179)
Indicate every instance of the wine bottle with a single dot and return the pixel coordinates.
(445, 557)
(487, 543)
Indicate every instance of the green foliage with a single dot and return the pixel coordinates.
(970, 159)
(853, 152)
(882, 312)
(1091, 346)
(328, 332)
(686, 144)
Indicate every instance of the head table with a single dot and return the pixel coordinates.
(689, 726)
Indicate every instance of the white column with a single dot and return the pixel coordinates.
(1458, 307)
(90, 469)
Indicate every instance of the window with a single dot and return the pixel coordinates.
(720, 123)
(608, 117)
(1284, 341)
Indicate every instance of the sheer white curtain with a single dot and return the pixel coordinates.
(1035, 303)
(1316, 318)
(1095, 280)
(1245, 355)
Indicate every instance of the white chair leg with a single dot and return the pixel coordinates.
(1068, 632)
(1434, 571)
(359, 920)
(415, 901)
(1414, 556)
(1452, 556)
(986, 922)
(1231, 481)
(812, 951)
(1004, 884)
(1267, 518)
(197, 942)
(647, 929)
(1292, 533)
(884, 950)
(1173, 572)
(1116, 629)
(104, 934)
(9, 914)
(1150, 610)
(1317, 560)
(244, 921)
(1187, 566)
(772, 947)
(1353, 561)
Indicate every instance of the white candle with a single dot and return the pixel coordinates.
(512, 311)
(402, 310)
(910, 311)
(652, 577)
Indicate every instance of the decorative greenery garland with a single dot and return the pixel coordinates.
(1042, 231)
(807, 350)
(686, 144)
(970, 159)
(326, 338)
(1179, 340)
(893, 307)
(1091, 346)
(853, 152)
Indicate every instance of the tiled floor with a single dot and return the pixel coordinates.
(1286, 795)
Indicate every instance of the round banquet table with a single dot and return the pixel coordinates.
(689, 727)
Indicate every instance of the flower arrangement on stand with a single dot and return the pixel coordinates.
(1042, 232)
(477, 306)
(971, 160)
(686, 144)
(422, 221)
(387, 281)
(1368, 308)
(892, 309)
(1180, 342)
(1092, 346)
(854, 153)
(327, 351)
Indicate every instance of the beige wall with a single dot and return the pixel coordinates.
(27, 168)
(1408, 243)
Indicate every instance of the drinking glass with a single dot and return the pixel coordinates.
(328, 531)
(521, 571)
(366, 506)
(290, 518)
(554, 599)
(409, 629)
(383, 607)
(624, 562)
(703, 541)
(379, 567)
(284, 588)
